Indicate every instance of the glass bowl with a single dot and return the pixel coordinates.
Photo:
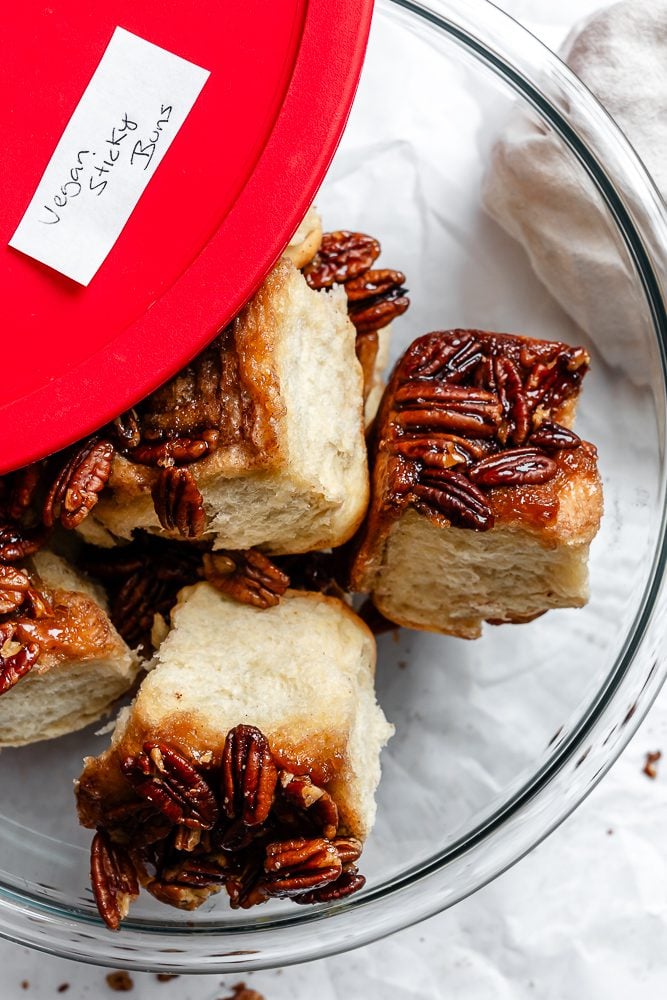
(499, 739)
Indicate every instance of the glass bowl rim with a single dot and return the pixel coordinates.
(520, 59)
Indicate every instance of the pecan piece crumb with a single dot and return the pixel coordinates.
(241, 992)
(247, 575)
(120, 982)
(178, 502)
(652, 758)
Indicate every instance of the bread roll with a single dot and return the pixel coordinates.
(294, 683)
(484, 503)
(276, 406)
(83, 665)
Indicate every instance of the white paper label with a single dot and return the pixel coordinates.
(129, 114)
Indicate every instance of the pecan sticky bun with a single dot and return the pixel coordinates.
(468, 412)
(241, 822)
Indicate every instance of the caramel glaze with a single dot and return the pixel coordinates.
(102, 786)
(77, 629)
(538, 506)
(533, 507)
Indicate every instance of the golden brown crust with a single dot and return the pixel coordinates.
(462, 397)
(233, 388)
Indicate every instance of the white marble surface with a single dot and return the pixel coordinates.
(584, 917)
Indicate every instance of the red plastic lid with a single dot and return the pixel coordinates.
(230, 191)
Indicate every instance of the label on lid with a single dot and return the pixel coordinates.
(128, 116)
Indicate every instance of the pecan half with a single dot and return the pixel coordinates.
(375, 298)
(17, 542)
(349, 849)
(436, 406)
(134, 606)
(78, 485)
(113, 878)
(16, 665)
(247, 575)
(437, 450)
(554, 437)
(514, 402)
(347, 883)
(299, 865)
(178, 502)
(453, 495)
(14, 588)
(342, 256)
(515, 467)
(450, 360)
(168, 781)
(249, 776)
(318, 805)
(177, 451)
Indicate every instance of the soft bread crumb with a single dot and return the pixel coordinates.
(450, 580)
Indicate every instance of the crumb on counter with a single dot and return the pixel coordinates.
(652, 758)
(241, 992)
(120, 982)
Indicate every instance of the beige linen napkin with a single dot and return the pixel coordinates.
(537, 191)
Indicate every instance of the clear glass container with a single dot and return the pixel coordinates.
(497, 740)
